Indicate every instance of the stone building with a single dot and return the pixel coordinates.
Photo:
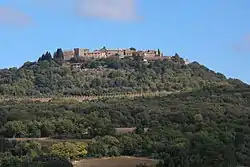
(104, 53)
(79, 52)
(96, 54)
(68, 54)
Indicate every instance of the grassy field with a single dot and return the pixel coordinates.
(115, 162)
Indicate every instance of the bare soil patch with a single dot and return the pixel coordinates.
(115, 162)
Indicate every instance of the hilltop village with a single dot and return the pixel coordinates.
(121, 53)
(76, 57)
(105, 53)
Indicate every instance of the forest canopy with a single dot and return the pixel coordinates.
(48, 77)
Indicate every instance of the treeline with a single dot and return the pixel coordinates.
(207, 127)
(30, 154)
(51, 77)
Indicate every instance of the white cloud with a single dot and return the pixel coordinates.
(121, 10)
(11, 16)
(107, 9)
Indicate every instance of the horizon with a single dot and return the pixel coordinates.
(215, 33)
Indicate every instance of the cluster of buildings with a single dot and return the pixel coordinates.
(104, 53)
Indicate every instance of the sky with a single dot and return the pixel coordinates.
(215, 33)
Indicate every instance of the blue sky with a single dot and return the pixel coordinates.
(215, 33)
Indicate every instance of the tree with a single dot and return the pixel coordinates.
(31, 149)
(158, 52)
(69, 150)
(8, 160)
(81, 148)
(128, 145)
(64, 126)
(47, 129)
(47, 56)
(104, 48)
(133, 49)
(14, 129)
(58, 55)
(96, 82)
(177, 59)
(50, 161)
(229, 156)
(33, 129)
(176, 55)
(139, 130)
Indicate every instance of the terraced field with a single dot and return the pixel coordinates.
(87, 98)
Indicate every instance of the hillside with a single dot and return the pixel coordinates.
(205, 124)
(210, 125)
(48, 77)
